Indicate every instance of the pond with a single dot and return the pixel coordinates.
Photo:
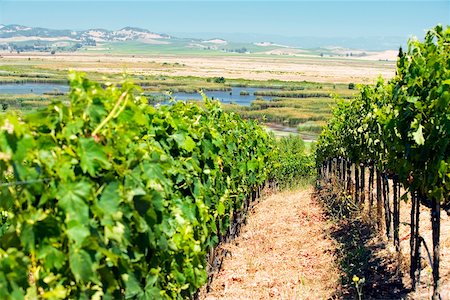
(32, 88)
(233, 96)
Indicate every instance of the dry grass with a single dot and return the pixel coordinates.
(282, 253)
(250, 67)
(361, 250)
(402, 264)
(425, 290)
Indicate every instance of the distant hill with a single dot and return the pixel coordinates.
(128, 39)
(19, 32)
(133, 40)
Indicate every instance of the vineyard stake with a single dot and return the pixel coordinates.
(379, 205)
(436, 227)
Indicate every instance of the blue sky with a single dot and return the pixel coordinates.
(285, 18)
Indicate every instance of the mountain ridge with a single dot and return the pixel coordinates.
(12, 31)
(21, 38)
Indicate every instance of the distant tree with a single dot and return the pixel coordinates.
(351, 86)
(219, 80)
(400, 52)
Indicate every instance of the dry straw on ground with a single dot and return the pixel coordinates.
(282, 253)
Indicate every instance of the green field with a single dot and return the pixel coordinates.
(177, 47)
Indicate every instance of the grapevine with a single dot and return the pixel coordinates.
(107, 197)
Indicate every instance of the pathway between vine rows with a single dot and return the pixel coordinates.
(289, 249)
(283, 252)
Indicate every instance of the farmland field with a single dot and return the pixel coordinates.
(312, 68)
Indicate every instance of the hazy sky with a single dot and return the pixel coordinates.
(290, 18)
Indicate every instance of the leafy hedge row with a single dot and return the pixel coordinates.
(107, 197)
(292, 164)
(402, 126)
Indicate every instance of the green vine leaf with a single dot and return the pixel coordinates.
(92, 156)
(418, 135)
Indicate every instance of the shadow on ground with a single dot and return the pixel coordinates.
(362, 252)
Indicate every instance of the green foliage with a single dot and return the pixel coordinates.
(294, 94)
(292, 163)
(108, 197)
(310, 126)
(219, 80)
(404, 125)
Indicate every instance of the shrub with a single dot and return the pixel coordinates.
(219, 80)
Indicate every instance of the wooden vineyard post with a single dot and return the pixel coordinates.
(396, 217)
(344, 171)
(363, 183)
(387, 209)
(371, 173)
(335, 169)
(414, 239)
(379, 205)
(349, 177)
(329, 169)
(234, 226)
(340, 168)
(356, 183)
(436, 227)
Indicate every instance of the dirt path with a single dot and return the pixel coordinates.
(283, 252)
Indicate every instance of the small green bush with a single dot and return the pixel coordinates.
(293, 164)
(219, 80)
